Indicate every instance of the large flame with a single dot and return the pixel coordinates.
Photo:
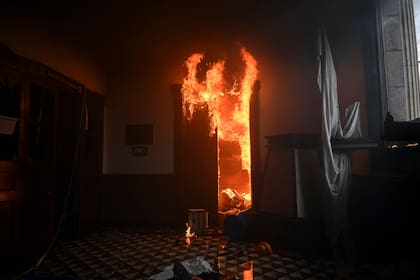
(228, 109)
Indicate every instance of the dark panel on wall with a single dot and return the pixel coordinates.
(144, 201)
(139, 134)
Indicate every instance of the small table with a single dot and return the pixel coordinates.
(292, 142)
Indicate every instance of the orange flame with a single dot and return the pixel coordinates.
(228, 111)
(188, 233)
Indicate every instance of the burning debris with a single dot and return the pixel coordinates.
(228, 110)
(188, 233)
(232, 202)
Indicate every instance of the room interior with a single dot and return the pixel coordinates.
(98, 158)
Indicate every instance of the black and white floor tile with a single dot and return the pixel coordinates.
(115, 254)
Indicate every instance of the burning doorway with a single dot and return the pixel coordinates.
(221, 101)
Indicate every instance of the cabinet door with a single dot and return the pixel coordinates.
(10, 99)
(9, 212)
(91, 164)
(69, 114)
(37, 168)
(10, 114)
(84, 210)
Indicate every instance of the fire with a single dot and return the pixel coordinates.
(188, 233)
(228, 109)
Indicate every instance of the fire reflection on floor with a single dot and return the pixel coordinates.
(116, 254)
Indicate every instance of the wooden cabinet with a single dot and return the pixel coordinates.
(51, 134)
(11, 96)
(91, 157)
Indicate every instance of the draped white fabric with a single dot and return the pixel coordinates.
(336, 164)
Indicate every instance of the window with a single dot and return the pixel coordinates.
(416, 5)
(398, 48)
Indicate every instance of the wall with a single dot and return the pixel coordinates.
(345, 35)
(31, 39)
(142, 200)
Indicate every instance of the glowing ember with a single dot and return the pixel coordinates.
(188, 233)
(248, 272)
(233, 202)
(409, 145)
(228, 110)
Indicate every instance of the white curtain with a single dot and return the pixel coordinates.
(336, 164)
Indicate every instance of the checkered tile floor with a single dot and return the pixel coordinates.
(114, 254)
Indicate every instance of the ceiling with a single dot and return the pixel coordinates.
(112, 30)
(124, 34)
